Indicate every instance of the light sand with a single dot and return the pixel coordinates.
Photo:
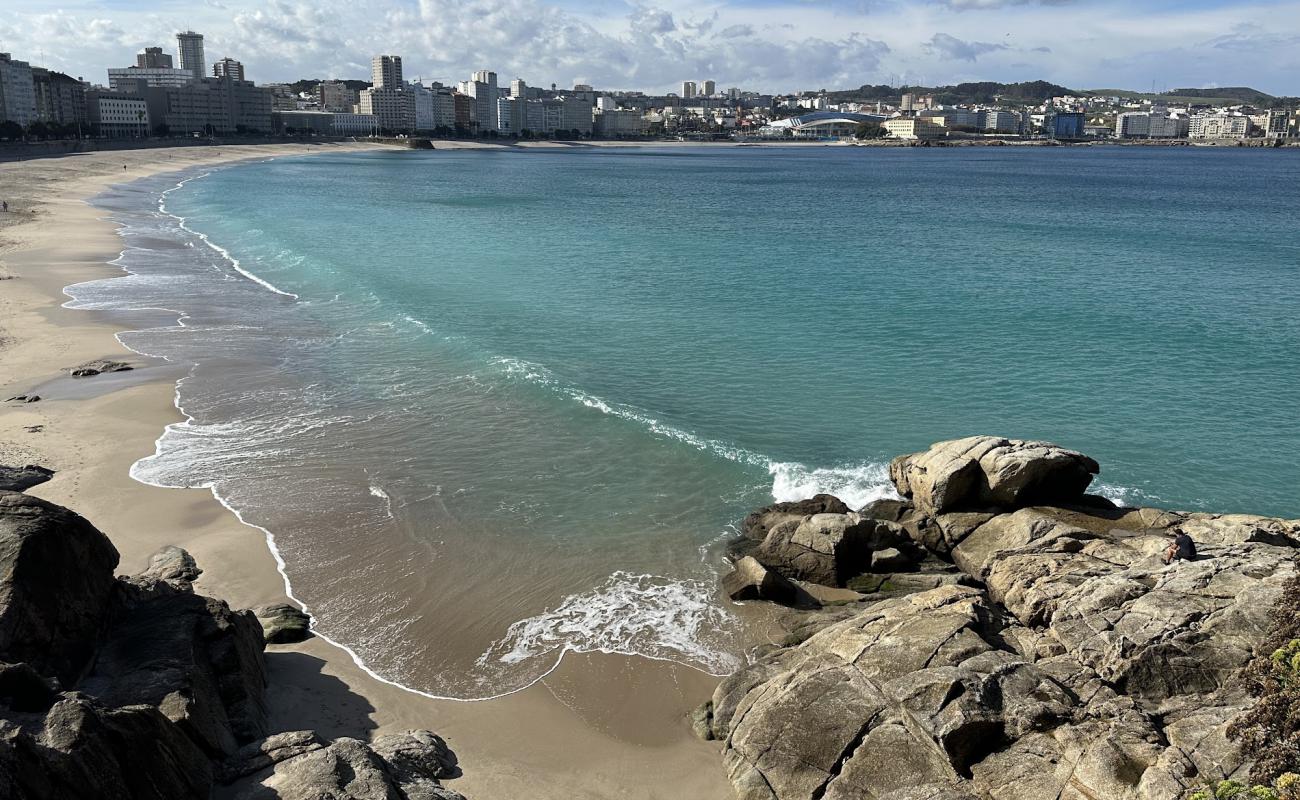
(599, 727)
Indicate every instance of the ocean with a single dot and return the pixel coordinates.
(491, 407)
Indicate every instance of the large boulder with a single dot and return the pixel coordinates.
(828, 549)
(190, 656)
(981, 472)
(757, 524)
(174, 565)
(750, 580)
(283, 623)
(56, 586)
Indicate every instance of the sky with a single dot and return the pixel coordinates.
(756, 45)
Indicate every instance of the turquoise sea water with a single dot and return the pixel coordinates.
(496, 405)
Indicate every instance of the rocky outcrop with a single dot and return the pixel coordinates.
(981, 471)
(20, 479)
(1056, 655)
(139, 688)
(300, 766)
(283, 623)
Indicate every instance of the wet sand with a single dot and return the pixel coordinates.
(600, 726)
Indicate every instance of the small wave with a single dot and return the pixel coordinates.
(1127, 496)
(226, 254)
(634, 615)
(856, 485)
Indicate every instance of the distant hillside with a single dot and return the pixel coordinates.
(1222, 95)
(309, 84)
(981, 92)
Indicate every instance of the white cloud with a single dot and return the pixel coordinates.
(655, 44)
(947, 46)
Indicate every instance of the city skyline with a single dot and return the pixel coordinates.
(761, 45)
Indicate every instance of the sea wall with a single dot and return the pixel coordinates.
(997, 633)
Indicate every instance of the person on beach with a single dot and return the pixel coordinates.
(1181, 548)
(4, 206)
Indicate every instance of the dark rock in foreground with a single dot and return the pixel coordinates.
(138, 688)
(1056, 656)
(20, 479)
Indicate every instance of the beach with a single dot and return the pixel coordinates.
(599, 726)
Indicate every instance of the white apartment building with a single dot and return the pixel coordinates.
(118, 115)
(386, 72)
(1155, 124)
(618, 122)
(124, 78)
(482, 86)
(392, 108)
(355, 124)
(1219, 126)
(688, 89)
(913, 128)
(17, 91)
(996, 121)
(228, 68)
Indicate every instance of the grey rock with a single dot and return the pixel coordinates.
(701, 719)
(750, 580)
(174, 565)
(99, 366)
(988, 471)
(756, 525)
(264, 753)
(827, 548)
(283, 623)
(348, 769)
(20, 479)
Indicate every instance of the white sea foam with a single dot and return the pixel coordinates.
(637, 615)
(1126, 496)
(856, 485)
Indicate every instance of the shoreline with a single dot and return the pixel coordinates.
(619, 722)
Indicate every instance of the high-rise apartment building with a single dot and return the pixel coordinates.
(710, 88)
(190, 47)
(688, 89)
(518, 89)
(386, 72)
(17, 94)
(60, 98)
(482, 86)
(152, 58)
(228, 68)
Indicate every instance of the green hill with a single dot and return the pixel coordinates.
(978, 92)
